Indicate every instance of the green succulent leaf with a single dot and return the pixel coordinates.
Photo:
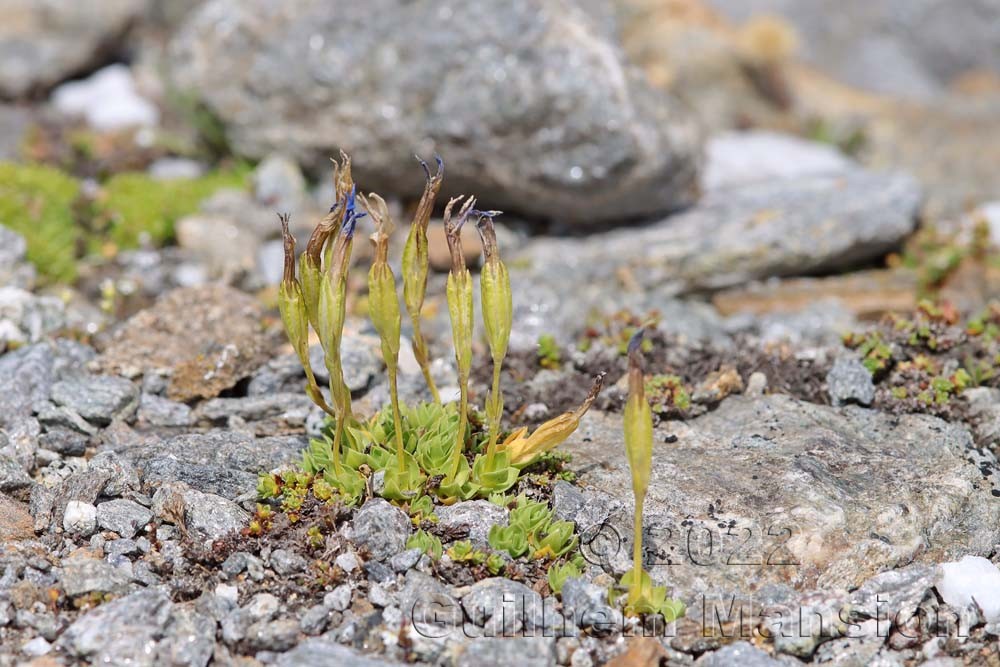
(511, 539)
(463, 552)
(498, 477)
(426, 542)
(558, 574)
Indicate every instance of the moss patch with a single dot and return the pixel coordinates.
(37, 203)
(133, 205)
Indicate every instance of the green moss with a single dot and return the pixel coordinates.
(666, 392)
(37, 203)
(133, 205)
(549, 355)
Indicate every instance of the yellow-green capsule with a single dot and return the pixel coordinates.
(638, 423)
(383, 308)
(416, 265)
(494, 283)
(460, 310)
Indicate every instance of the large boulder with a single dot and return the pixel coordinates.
(773, 491)
(530, 103)
(43, 43)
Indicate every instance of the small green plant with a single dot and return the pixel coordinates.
(463, 552)
(549, 355)
(422, 509)
(426, 542)
(38, 203)
(643, 596)
(511, 539)
(558, 574)
(133, 206)
(495, 564)
(423, 449)
(667, 392)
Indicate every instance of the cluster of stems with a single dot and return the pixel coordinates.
(316, 298)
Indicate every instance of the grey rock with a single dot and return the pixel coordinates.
(277, 635)
(380, 528)
(316, 619)
(205, 515)
(15, 269)
(158, 411)
(896, 47)
(776, 481)
(26, 317)
(13, 477)
(279, 185)
(503, 607)
(813, 620)
(428, 604)
(253, 408)
(737, 653)
(323, 652)
(850, 382)
(36, 647)
(87, 575)
(57, 417)
(347, 561)
(121, 547)
(404, 560)
(814, 224)
(122, 476)
(339, 599)
(498, 651)
(379, 572)
(57, 42)
(360, 358)
(286, 562)
(586, 605)
(621, 150)
(473, 518)
(97, 398)
(120, 631)
(232, 450)
(213, 479)
(123, 517)
(263, 607)
(63, 441)
(896, 591)
(189, 639)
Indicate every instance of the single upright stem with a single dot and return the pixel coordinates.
(396, 419)
(463, 421)
(495, 409)
(637, 551)
(420, 352)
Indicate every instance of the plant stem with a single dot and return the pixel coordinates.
(637, 551)
(420, 352)
(396, 419)
(495, 410)
(463, 419)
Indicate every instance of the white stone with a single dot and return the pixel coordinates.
(36, 647)
(228, 593)
(348, 562)
(972, 578)
(743, 158)
(107, 100)
(263, 606)
(80, 518)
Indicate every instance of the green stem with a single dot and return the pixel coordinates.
(396, 419)
(420, 352)
(637, 551)
(496, 410)
(463, 419)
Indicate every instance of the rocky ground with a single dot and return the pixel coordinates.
(825, 482)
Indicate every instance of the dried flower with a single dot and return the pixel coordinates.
(523, 448)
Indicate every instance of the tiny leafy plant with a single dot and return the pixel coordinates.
(426, 542)
(422, 450)
(643, 597)
(549, 355)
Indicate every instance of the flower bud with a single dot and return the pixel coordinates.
(638, 421)
(494, 283)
